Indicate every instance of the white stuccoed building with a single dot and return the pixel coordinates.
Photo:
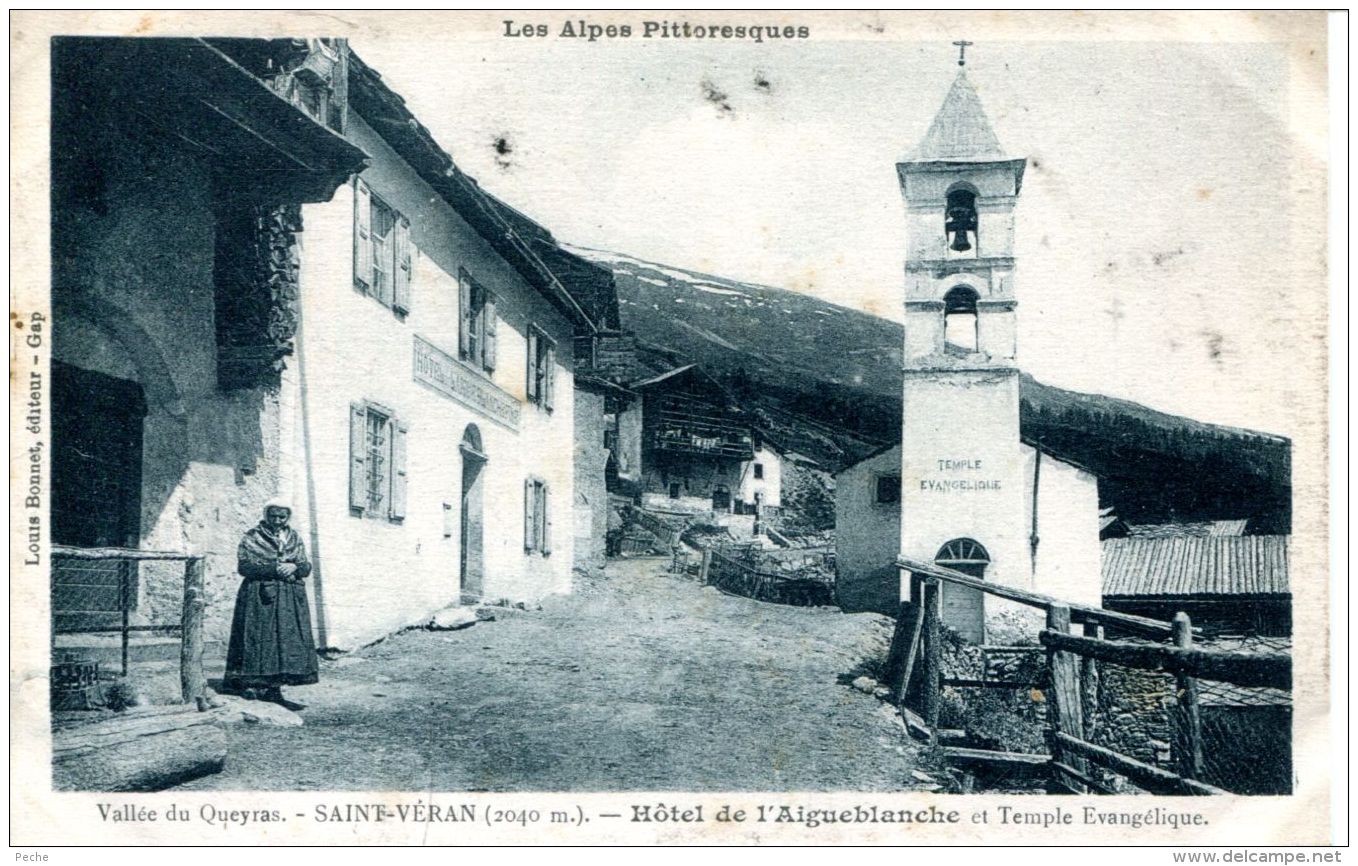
(429, 408)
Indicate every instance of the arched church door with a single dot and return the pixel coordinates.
(963, 608)
(472, 572)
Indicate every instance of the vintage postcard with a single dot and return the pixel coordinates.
(671, 427)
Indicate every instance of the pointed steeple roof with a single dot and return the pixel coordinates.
(960, 131)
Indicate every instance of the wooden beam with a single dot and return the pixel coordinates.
(1153, 779)
(933, 654)
(985, 756)
(1079, 613)
(1081, 778)
(1271, 670)
(117, 553)
(961, 683)
(143, 749)
(1064, 711)
(1190, 721)
(916, 631)
(895, 654)
(192, 683)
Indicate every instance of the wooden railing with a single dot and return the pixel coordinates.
(190, 625)
(729, 574)
(1072, 681)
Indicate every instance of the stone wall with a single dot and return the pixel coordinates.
(133, 297)
(1134, 714)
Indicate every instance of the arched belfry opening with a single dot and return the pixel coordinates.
(471, 578)
(963, 608)
(960, 329)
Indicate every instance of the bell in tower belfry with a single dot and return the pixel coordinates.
(962, 469)
(961, 219)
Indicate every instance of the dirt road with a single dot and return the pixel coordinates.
(639, 681)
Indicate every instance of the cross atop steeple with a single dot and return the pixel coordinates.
(962, 46)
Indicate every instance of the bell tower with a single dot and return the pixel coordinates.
(962, 479)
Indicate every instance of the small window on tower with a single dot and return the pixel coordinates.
(959, 320)
(961, 223)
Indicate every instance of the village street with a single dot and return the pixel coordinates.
(642, 681)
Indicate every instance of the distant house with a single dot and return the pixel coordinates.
(688, 447)
(1227, 584)
(602, 363)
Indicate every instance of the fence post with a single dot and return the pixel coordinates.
(913, 638)
(705, 566)
(125, 603)
(1089, 679)
(1190, 720)
(1064, 714)
(932, 685)
(895, 654)
(191, 681)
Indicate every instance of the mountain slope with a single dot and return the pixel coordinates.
(813, 367)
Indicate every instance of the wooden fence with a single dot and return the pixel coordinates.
(122, 560)
(730, 574)
(1071, 682)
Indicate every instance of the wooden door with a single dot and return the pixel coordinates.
(96, 490)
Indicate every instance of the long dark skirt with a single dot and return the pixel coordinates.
(271, 642)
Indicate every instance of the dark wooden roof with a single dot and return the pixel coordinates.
(583, 291)
(192, 92)
(1245, 565)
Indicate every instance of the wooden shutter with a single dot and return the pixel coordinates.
(397, 508)
(549, 378)
(488, 340)
(532, 364)
(358, 456)
(546, 513)
(363, 244)
(400, 301)
(464, 291)
(530, 523)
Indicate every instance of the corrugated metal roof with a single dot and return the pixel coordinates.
(1196, 565)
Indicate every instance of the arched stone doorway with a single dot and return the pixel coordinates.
(963, 608)
(471, 576)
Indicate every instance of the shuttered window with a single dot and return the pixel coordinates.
(478, 329)
(541, 385)
(377, 462)
(537, 516)
(383, 250)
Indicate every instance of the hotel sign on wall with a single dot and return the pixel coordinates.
(450, 377)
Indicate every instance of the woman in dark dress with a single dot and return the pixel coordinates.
(271, 642)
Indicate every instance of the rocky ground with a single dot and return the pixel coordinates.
(640, 680)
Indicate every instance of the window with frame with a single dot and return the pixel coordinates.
(541, 368)
(887, 490)
(537, 516)
(759, 470)
(377, 462)
(383, 250)
(478, 323)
